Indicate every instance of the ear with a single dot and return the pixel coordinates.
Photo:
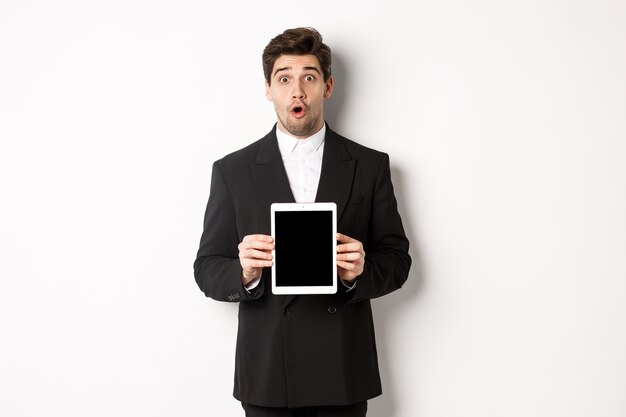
(268, 92)
(328, 87)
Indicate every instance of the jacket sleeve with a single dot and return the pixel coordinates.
(387, 260)
(217, 268)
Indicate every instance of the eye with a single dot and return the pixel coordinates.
(309, 78)
(283, 79)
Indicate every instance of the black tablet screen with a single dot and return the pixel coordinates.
(304, 248)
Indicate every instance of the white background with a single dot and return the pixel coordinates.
(506, 126)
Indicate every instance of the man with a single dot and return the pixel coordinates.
(312, 355)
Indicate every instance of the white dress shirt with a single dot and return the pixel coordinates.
(302, 159)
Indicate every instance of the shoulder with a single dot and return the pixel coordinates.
(248, 154)
(354, 149)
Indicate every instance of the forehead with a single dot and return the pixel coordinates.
(295, 63)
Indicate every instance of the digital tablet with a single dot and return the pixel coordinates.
(305, 248)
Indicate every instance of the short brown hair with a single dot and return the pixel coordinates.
(298, 41)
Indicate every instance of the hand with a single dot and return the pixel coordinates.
(350, 258)
(255, 253)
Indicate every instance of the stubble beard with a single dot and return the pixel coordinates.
(299, 127)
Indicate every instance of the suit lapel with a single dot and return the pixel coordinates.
(337, 173)
(270, 175)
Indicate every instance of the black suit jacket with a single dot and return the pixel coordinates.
(303, 350)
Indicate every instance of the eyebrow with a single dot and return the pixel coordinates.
(290, 68)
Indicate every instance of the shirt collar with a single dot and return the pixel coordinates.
(288, 143)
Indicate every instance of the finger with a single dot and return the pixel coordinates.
(350, 257)
(345, 238)
(258, 237)
(348, 266)
(255, 254)
(255, 244)
(350, 247)
(255, 263)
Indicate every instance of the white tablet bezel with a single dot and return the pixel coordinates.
(321, 289)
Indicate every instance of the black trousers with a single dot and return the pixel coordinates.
(352, 410)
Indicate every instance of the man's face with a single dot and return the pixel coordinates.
(298, 92)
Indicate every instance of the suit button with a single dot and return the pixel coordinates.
(286, 312)
(332, 309)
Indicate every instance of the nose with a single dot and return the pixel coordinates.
(298, 91)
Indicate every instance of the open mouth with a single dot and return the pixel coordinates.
(298, 111)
